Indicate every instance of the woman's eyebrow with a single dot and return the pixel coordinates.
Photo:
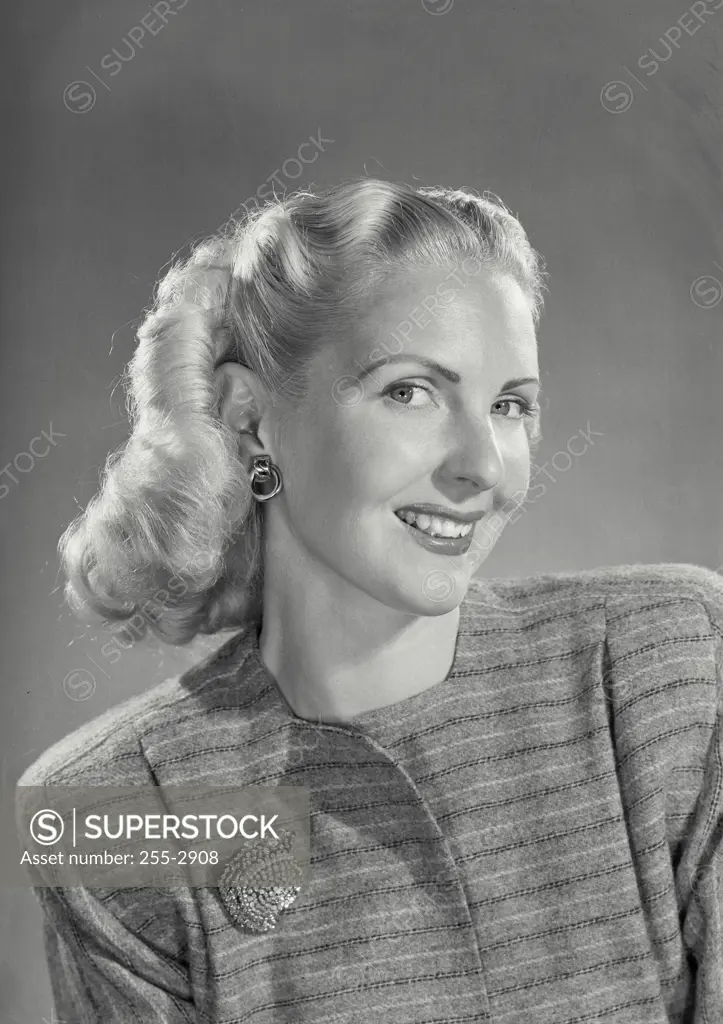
(443, 371)
(517, 382)
(409, 357)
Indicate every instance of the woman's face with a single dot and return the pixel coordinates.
(382, 431)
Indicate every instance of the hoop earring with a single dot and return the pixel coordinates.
(266, 479)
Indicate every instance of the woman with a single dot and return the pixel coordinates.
(516, 785)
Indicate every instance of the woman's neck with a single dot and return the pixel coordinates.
(335, 652)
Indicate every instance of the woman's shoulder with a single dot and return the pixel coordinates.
(651, 623)
(569, 609)
(612, 585)
(110, 749)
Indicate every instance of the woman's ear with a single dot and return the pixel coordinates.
(244, 406)
(238, 390)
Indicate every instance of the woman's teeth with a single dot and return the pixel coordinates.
(436, 526)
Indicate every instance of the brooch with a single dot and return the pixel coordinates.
(258, 883)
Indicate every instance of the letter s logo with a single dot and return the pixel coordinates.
(46, 827)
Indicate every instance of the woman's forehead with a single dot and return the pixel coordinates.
(430, 312)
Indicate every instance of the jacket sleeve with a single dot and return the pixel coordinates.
(699, 874)
(115, 956)
(102, 970)
(663, 681)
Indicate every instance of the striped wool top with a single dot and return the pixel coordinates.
(535, 840)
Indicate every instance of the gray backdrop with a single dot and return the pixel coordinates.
(609, 153)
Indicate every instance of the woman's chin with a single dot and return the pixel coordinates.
(443, 588)
(433, 591)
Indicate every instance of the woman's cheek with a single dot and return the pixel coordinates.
(517, 462)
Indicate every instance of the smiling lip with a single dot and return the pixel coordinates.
(442, 512)
(440, 545)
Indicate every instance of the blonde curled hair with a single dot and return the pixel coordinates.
(175, 501)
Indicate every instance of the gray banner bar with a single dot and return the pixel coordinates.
(120, 837)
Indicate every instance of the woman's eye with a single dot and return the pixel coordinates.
(522, 407)
(406, 391)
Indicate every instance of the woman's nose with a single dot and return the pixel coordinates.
(477, 460)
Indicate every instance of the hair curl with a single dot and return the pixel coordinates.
(174, 514)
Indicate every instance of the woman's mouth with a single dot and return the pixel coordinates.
(436, 533)
(435, 526)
